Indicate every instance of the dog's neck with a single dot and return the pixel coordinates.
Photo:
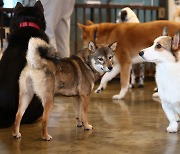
(84, 55)
(29, 24)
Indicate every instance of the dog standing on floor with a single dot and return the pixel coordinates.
(128, 16)
(165, 53)
(46, 74)
(131, 38)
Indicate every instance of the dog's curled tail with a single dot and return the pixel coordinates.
(39, 52)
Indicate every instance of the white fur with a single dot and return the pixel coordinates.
(131, 16)
(98, 67)
(168, 82)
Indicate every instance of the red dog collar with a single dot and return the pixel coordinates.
(29, 24)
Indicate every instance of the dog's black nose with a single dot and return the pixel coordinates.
(110, 68)
(141, 53)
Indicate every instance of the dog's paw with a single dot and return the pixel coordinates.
(117, 97)
(131, 86)
(88, 127)
(79, 124)
(99, 90)
(16, 135)
(155, 95)
(140, 85)
(47, 137)
(172, 128)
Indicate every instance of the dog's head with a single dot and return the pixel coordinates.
(101, 57)
(164, 49)
(127, 15)
(29, 14)
(89, 32)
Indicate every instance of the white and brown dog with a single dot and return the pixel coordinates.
(165, 54)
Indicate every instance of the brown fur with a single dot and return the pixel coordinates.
(130, 37)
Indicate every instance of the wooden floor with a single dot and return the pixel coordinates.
(135, 125)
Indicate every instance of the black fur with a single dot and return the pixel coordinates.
(49, 54)
(123, 15)
(13, 61)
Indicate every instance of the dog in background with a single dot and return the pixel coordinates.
(127, 15)
(28, 22)
(131, 38)
(165, 53)
(46, 74)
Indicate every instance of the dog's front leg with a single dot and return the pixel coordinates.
(84, 100)
(124, 78)
(77, 109)
(171, 115)
(107, 77)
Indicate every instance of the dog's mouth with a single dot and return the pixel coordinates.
(151, 60)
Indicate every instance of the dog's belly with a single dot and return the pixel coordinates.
(66, 89)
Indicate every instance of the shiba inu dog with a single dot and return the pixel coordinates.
(128, 16)
(131, 38)
(27, 22)
(165, 52)
(46, 74)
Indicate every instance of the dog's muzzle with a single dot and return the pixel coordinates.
(110, 68)
(141, 53)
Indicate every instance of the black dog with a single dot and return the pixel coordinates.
(28, 22)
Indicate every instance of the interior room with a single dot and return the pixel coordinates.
(96, 76)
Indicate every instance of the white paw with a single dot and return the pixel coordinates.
(99, 89)
(47, 137)
(79, 124)
(117, 97)
(16, 135)
(172, 128)
(88, 127)
(156, 95)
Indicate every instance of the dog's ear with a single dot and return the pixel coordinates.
(39, 6)
(113, 46)
(89, 22)
(92, 47)
(18, 7)
(81, 26)
(165, 31)
(175, 41)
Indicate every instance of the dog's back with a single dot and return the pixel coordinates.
(71, 75)
(13, 61)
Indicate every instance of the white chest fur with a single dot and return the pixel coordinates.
(168, 81)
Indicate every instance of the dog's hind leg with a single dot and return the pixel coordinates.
(48, 105)
(124, 79)
(133, 78)
(25, 96)
(107, 77)
(77, 109)
(141, 76)
(84, 100)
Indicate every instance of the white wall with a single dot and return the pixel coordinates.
(10, 3)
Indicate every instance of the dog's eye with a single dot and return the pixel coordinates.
(158, 46)
(110, 57)
(100, 59)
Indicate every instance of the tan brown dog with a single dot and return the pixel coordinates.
(46, 74)
(131, 38)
